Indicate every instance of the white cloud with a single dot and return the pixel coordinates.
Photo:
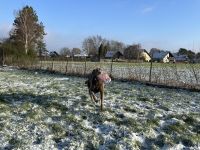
(147, 9)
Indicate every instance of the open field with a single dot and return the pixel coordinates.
(51, 111)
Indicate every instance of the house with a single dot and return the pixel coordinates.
(109, 54)
(162, 56)
(53, 54)
(180, 58)
(44, 53)
(144, 55)
(81, 55)
(113, 54)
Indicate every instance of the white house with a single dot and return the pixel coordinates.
(163, 56)
(144, 55)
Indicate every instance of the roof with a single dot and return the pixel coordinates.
(81, 55)
(144, 50)
(180, 57)
(111, 54)
(53, 54)
(161, 54)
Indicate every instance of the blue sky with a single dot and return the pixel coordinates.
(164, 24)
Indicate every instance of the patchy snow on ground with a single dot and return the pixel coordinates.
(46, 111)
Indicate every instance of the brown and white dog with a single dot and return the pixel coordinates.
(95, 84)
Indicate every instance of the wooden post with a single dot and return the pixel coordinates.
(52, 66)
(66, 67)
(150, 70)
(3, 57)
(111, 67)
(85, 66)
(41, 64)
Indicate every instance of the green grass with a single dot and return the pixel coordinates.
(144, 99)
(152, 122)
(26, 106)
(57, 130)
(130, 109)
(15, 142)
(175, 128)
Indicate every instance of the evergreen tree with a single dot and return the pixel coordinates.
(28, 31)
(100, 51)
(41, 47)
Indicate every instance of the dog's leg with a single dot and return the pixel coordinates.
(90, 93)
(92, 96)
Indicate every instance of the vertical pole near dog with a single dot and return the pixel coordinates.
(85, 67)
(150, 70)
(52, 66)
(66, 67)
(40, 63)
(111, 67)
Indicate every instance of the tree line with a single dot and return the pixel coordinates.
(98, 46)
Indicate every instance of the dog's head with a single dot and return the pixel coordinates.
(96, 72)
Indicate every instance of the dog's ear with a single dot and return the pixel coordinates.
(97, 71)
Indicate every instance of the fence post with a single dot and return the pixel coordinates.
(66, 67)
(85, 66)
(150, 70)
(52, 66)
(41, 64)
(111, 67)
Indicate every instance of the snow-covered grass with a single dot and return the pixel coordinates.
(49, 111)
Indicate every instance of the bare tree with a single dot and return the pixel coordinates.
(92, 44)
(116, 46)
(75, 51)
(132, 52)
(65, 51)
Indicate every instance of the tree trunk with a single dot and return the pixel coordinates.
(26, 45)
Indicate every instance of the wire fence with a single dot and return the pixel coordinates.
(176, 75)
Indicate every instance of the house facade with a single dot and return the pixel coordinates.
(163, 56)
(145, 55)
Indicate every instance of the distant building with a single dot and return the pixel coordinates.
(43, 54)
(54, 54)
(180, 58)
(113, 54)
(163, 56)
(109, 54)
(81, 55)
(144, 55)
